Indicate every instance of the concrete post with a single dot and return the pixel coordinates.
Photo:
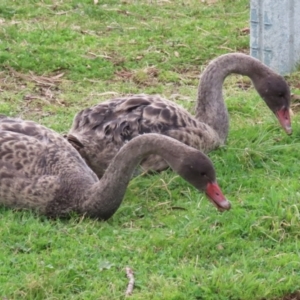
(275, 33)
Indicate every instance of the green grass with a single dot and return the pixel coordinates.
(178, 245)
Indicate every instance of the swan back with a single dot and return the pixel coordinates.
(100, 131)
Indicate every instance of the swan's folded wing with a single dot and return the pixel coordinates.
(18, 190)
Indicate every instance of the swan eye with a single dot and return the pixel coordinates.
(280, 94)
(203, 174)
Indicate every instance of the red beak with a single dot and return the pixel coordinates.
(216, 196)
(283, 116)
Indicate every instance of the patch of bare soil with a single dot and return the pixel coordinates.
(292, 296)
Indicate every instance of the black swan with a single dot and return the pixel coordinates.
(40, 170)
(100, 131)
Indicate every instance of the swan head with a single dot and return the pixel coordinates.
(276, 93)
(197, 169)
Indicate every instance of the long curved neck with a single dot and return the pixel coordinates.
(106, 195)
(210, 107)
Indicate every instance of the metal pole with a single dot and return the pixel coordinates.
(275, 33)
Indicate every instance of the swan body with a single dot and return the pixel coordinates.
(100, 131)
(40, 170)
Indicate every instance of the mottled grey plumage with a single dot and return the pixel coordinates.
(100, 131)
(40, 170)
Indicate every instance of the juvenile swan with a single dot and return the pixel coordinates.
(40, 170)
(100, 131)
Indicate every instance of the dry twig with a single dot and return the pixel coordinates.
(41, 80)
(130, 286)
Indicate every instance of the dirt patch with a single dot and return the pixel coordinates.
(292, 296)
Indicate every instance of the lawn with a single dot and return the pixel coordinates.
(57, 57)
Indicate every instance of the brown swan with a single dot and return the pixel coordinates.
(100, 131)
(40, 170)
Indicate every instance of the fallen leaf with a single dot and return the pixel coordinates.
(105, 265)
(245, 30)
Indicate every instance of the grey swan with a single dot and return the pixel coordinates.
(40, 170)
(100, 131)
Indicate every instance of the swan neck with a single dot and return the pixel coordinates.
(107, 194)
(210, 107)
